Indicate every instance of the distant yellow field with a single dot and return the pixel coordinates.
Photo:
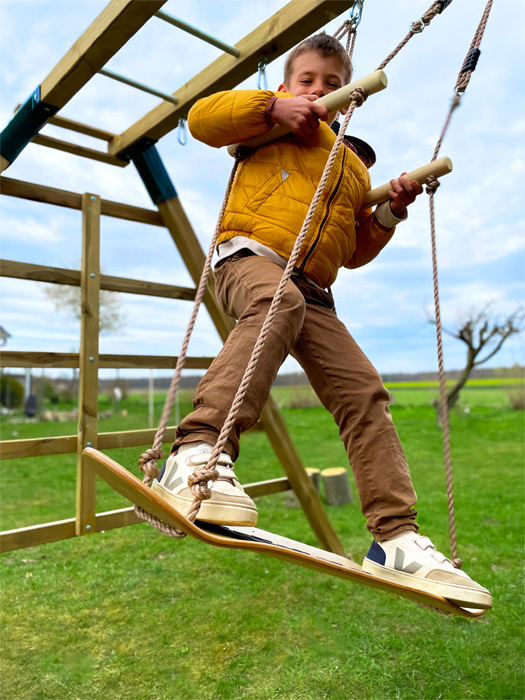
(484, 383)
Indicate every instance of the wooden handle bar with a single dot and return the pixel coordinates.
(339, 99)
(437, 168)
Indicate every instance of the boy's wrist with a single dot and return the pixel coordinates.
(386, 217)
(268, 111)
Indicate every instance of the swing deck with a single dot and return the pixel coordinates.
(256, 540)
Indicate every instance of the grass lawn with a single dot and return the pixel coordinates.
(133, 614)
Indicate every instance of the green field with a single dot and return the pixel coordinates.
(133, 614)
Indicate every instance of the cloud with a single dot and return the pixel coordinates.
(478, 207)
(31, 231)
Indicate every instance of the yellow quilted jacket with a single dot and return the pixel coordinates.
(276, 183)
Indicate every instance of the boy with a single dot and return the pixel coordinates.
(267, 206)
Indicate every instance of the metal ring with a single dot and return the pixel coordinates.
(417, 31)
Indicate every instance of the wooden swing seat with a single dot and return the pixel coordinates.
(256, 540)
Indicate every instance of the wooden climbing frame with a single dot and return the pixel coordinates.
(115, 25)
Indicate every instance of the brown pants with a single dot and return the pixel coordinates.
(345, 381)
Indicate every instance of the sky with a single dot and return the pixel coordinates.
(386, 304)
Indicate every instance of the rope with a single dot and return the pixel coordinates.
(432, 185)
(148, 460)
(415, 28)
(443, 405)
(349, 27)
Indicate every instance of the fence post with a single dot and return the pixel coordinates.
(88, 362)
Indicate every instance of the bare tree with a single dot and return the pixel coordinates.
(482, 331)
(67, 299)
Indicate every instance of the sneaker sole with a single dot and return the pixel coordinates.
(461, 595)
(214, 510)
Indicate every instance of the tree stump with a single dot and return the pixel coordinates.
(336, 486)
(291, 500)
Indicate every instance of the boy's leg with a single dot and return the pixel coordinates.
(245, 287)
(352, 390)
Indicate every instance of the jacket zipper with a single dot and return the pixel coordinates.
(327, 213)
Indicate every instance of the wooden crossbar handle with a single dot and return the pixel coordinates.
(339, 99)
(437, 168)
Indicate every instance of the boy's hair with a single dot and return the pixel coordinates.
(325, 45)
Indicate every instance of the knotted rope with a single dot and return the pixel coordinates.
(431, 187)
(148, 460)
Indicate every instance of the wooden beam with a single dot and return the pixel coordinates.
(36, 447)
(73, 200)
(70, 360)
(67, 444)
(39, 273)
(151, 362)
(80, 128)
(36, 534)
(294, 22)
(57, 275)
(23, 358)
(109, 32)
(63, 529)
(76, 150)
(266, 488)
(110, 520)
(40, 193)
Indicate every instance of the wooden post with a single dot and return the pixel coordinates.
(88, 362)
(336, 486)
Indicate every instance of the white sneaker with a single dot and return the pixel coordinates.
(228, 505)
(413, 561)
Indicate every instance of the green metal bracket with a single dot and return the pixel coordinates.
(26, 123)
(152, 171)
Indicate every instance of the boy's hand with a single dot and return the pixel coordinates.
(403, 193)
(298, 114)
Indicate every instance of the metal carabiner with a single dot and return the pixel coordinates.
(261, 67)
(355, 15)
(181, 135)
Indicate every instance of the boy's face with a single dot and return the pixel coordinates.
(314, 74)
